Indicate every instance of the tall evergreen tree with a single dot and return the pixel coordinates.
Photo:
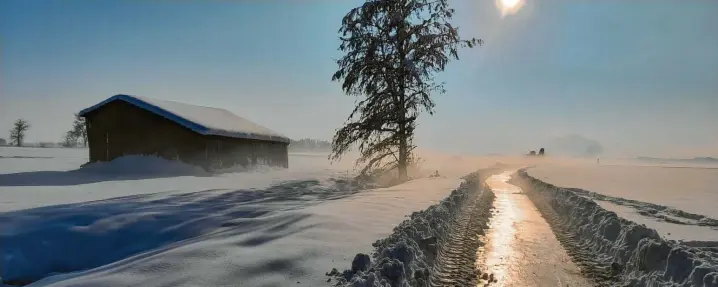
(393, 49)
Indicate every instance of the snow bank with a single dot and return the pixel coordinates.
(142, 165)
(642, 256)
(139, 165)
(656, 211)
(408, 256)
(689, 189)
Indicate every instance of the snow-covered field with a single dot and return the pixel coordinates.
(148, 222)
(680, 203)
(629, 254)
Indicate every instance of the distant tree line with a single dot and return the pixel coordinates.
(77, 135)
(309, 145)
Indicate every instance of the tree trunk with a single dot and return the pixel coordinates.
(403, 147)
(403, 156)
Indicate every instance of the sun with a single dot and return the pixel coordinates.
(508, 7)
(509, 4)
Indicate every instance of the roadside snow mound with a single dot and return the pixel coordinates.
(656, 211)
(142, 165)
(407, 256)
(637, 253)
(133, 165)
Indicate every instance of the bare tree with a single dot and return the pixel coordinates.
(392, 49)
(79, 129)
(70, 139)
(17, 134)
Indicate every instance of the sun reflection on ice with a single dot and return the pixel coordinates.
(498, 253)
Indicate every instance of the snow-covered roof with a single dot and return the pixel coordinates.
(203, 120)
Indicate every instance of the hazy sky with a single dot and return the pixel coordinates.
(641, 77)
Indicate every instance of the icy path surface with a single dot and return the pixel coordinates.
(521, 249)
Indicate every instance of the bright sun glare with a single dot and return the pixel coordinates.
(509, 3)
(508, 7)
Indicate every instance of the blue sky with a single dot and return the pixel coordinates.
(639, 76)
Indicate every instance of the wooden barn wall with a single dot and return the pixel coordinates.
(119, 128)
(225, 152)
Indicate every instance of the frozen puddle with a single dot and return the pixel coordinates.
(521, 249)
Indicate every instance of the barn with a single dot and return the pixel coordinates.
(204, 136)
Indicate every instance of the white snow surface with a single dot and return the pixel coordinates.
(667, 230)
(644, 257)
(679, 203)
(170, 224)
(693, 190)
(204, 120)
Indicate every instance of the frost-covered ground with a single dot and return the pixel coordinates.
(143, 222)
(680, 203)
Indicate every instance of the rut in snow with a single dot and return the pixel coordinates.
(455, 263)
(434, 247)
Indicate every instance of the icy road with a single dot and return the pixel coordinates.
(521, 249)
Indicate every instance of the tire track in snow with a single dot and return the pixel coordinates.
(455, 262)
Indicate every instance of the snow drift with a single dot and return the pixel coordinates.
(638, 253)
(141, 165)
(655, 211)
(60, 239)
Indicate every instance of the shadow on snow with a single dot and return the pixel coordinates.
(72, 177)
(72, 237)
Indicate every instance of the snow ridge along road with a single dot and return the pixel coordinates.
(454, 265)
(617, 251)
(434, 247)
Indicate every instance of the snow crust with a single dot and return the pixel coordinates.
(203, 120)
(638, 252)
